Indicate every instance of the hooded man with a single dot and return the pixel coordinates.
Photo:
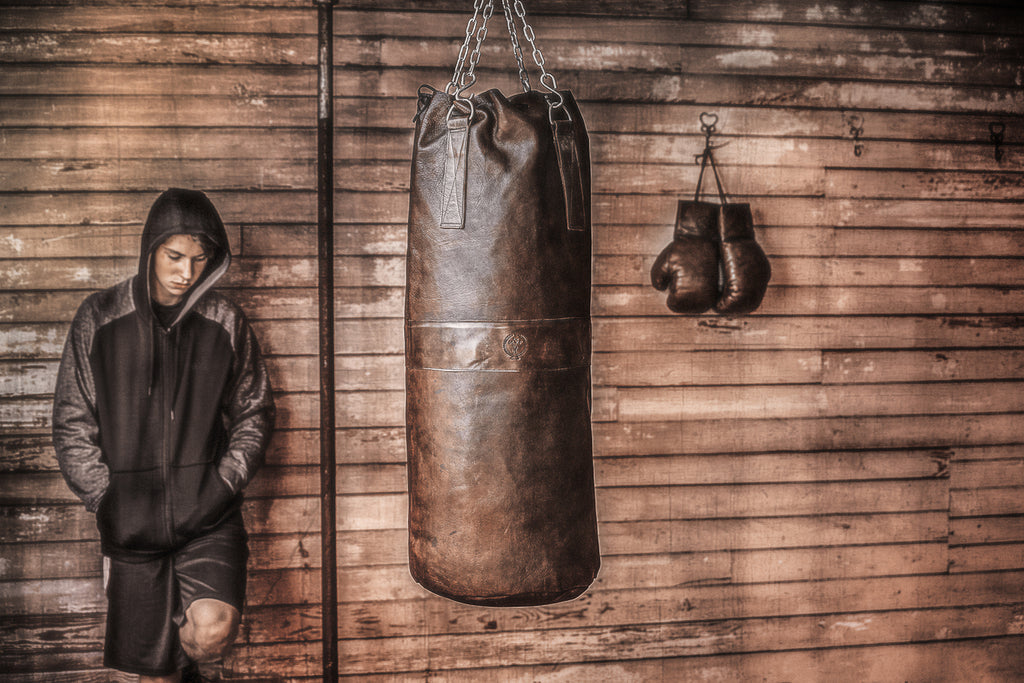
(161, 416)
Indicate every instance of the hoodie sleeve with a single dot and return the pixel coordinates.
(75, 428)
(249, 410)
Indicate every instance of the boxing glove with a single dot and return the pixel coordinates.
(745, 268)
(688, 267)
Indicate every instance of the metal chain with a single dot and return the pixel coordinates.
(471, 27)
(546, 79)
(513, 33)
(465, 66)
(468, 76)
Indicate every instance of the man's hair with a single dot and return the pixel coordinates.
(203, 240)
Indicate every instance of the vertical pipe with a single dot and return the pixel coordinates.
(325, 279)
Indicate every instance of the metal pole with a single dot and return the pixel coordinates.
(325, 277)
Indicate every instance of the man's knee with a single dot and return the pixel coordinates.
(210, 629)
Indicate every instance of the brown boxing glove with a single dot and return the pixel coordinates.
(745, 268)
(688, 267)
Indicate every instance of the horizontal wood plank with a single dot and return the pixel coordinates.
(642, 300)
(366, 511)
(757, 436)
(387, 444)
(683, 404)
(1008, 470)
(206, 18)
(974, 558)
(789, 401)
(33, 488)
(593, 644)
(74, 542)
(106, 146)
(619, 271)
(921, 366)
(373, 207)
(261, 174)
(366, 336)
(994, 659)
(636, 369)
(960, 140)
(578, 55)
(1002, 500)
(988, 529)
(254, 82)
(927, 16)
(985, 659)
(368, 614)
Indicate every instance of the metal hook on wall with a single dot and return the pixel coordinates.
(708, 121)
(995, 134)
(708, 127)
(856, 123)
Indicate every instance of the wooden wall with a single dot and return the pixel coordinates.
(830, 489)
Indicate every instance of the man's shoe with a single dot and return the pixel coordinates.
(191, 674)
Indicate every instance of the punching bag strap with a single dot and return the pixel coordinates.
(453, 197)
(569, 168)
(453, 207)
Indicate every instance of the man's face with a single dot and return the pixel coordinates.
(177, 264)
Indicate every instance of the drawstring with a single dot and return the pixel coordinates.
(176, 331)
(152, 357)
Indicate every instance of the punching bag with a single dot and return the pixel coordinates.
(497, 343)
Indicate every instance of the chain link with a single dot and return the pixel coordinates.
(471, 27)
(469, 75)
(465, 66)
(546, 79)
(513, 33)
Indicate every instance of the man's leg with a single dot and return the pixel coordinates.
(142, 636)
(209, 630)
(211, 577)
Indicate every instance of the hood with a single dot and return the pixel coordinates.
(179, 211)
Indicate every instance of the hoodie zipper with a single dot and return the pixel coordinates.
(167, 420)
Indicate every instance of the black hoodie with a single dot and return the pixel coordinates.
(159, 429)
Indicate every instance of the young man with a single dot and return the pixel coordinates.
(161, 416)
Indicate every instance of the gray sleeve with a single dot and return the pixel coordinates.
(75, 429)
(249, 411)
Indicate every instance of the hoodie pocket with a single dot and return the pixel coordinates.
(131, 515)
(203, 499)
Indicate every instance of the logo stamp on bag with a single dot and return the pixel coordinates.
(514, 346)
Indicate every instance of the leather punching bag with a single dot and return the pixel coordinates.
(497, 335)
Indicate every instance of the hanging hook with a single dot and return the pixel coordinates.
(708, 128)
(995, 133)
(708, 121)
(460, 101)
(856, 123)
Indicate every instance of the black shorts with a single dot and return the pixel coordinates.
(146, 601)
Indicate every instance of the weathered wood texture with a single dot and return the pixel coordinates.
(830, 489)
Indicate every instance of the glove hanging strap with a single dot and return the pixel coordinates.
(707, 158)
